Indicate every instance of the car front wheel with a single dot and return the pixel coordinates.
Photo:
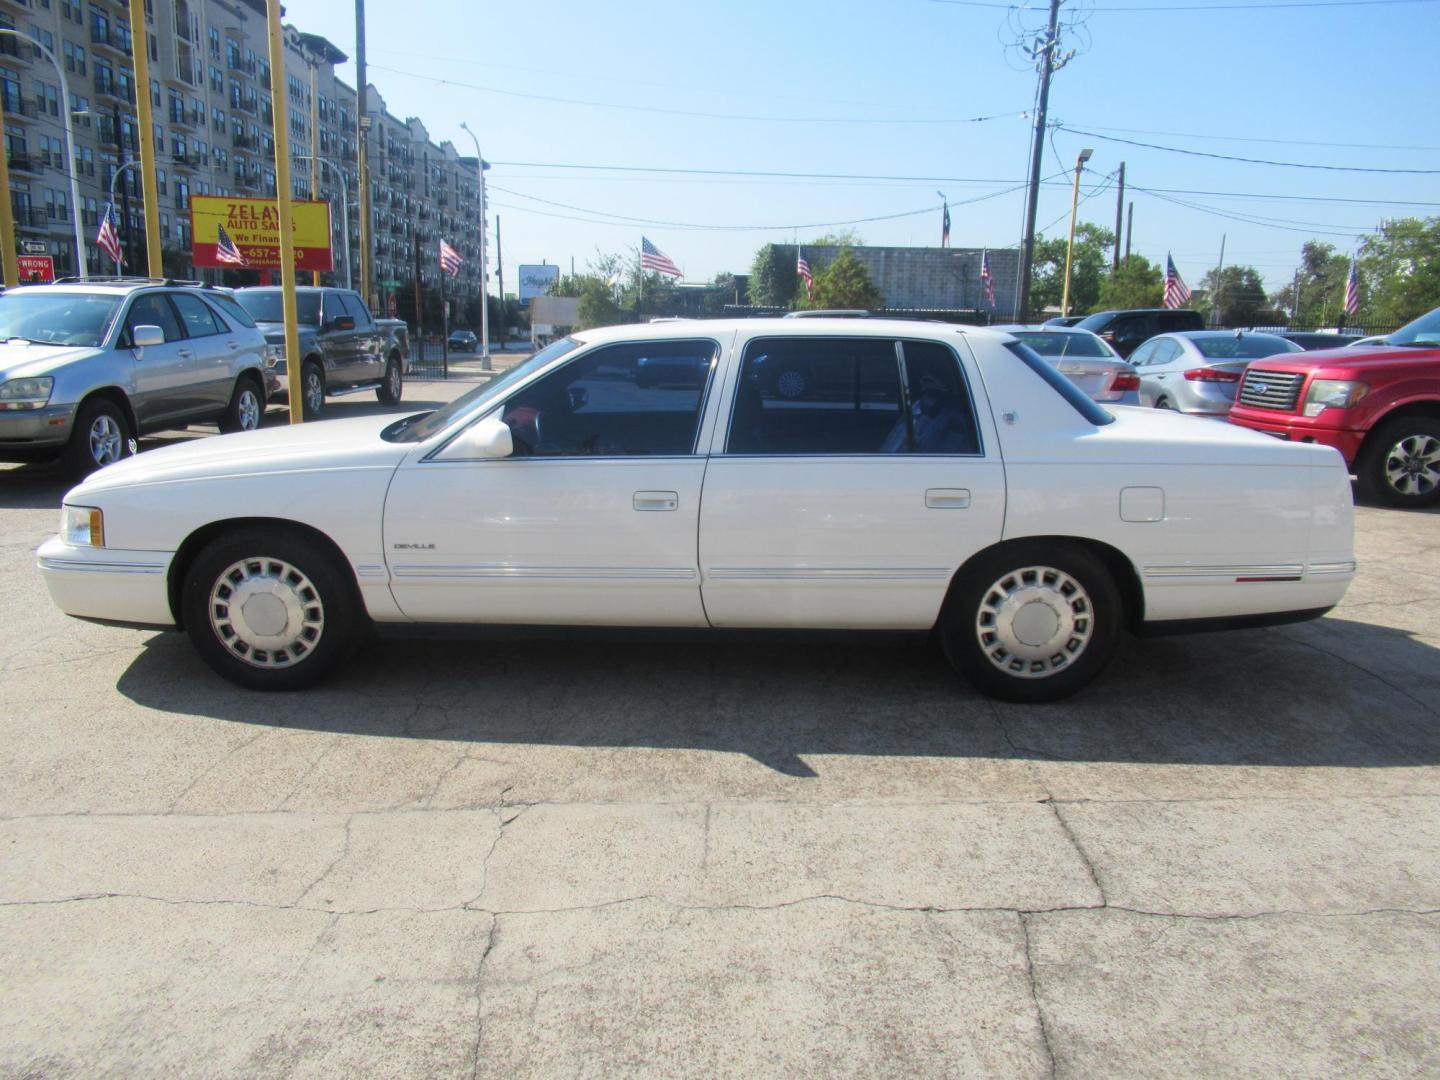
(1401, 464)
(270, 610)
(312, 390)
(1034, 621)
(101, 436)
(393, 385)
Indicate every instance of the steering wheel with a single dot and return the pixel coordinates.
(535, 426)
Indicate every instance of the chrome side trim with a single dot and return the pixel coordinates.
(503, 572)
(828, 573)
(87, 566)
(1163, 572)
(1332, 567)
(371, 570)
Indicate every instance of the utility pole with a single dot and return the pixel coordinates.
(149, 188)
(283, 201)
(419, 310)
(1047, 63)
(1215, 293)
(1129, 227)
(362, 152)
(314, 152)
(500, 284)
(7, 223)
(1119, 206)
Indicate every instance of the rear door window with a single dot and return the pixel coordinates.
(199, 320)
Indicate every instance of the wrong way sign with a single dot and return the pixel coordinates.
(35, 268)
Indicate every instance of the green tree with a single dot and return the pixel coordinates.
(772, 276)
(843, 283)
(1236, 295)
(1087, 269)
(598, 305)
(1316, 294)
(1137, 283)
(1400, 270)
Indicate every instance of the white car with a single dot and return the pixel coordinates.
(915, 476)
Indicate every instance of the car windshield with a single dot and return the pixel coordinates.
(1247, 347)
(1424, 332)
(62, 318)
(267, 305)
(1095, 323)
(421, 426)
(1055, 344)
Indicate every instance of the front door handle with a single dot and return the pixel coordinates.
(185, 354)
(947, 498)
(656, 500)
(232, 345)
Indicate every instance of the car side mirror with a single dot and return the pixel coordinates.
(487, 438)
(345, 322)
(144, 336)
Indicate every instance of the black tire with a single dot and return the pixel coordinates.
(312, 389)
(101, 436)
(1086, 620)
(1399, 465)
(1164, 403)
(246, 411)
(306, 593)
(393, 386)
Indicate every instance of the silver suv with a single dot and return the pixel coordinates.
(87, 367)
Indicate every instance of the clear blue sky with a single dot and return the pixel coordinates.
(853, 87)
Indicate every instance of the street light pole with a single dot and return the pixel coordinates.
(1070, 244)
(480, 168)
(69, 149)
(344, 213)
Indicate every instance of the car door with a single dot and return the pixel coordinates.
(854, 476)
(338, 342)
(214, 348)
(164, 375)
(592, 519)
(369, 358)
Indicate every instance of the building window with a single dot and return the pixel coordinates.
(215, 42)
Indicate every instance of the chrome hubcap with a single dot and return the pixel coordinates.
(1412, 467)
(314, 391)
(1034, 622)
(106, 442)
(266, 612)
(395, 381)
(249, 410)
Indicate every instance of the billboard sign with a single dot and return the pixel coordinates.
(35, 268)
(253, 225)
(536, 281)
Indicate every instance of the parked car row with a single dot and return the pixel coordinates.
(86, 368)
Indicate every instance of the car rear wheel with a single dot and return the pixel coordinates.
(393, 386)
(270, 610)
(1164, 403)
(1401, 462)
(1033, 621)
(101, 436)
(246, 410)
(312, 390)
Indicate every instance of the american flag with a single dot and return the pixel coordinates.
(652, 258)
(1352, 291)
(802, 271)
(107, 238)
(945, 225)
(450, 259)
(1177, 293)
(225, 249)
(987, 279)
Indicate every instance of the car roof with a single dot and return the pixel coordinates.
(782, 327)
(1197, 335)
(118, 286)
(1043, 328)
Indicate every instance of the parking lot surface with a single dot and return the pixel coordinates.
(744, 855)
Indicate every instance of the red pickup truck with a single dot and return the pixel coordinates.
(1378, 405)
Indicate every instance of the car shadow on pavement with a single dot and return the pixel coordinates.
(1291, 696)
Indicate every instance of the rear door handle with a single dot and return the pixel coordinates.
(947, 498)
(656, 500)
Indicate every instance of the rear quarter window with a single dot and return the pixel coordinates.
(1061, 385)
(230, 309)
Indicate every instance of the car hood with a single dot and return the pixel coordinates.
(329, 444)
(21, 361)
(1387, 357)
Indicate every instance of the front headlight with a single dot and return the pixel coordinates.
(1333, 394)
(26, 393)
(82, 526)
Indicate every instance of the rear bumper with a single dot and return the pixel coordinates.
(108, 585)
(1295, 428)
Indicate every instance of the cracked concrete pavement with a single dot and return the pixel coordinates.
(750, 855)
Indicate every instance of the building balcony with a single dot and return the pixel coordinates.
(30, 217)
(110, 40)
(19, 108)
(23, 163)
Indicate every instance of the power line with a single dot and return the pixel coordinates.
(1167, 9)
(1273, 223)
(438, 81)
(1250, 161)
(1267, 139)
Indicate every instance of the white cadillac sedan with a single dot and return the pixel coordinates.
(761, 473)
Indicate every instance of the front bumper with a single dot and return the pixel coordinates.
(1295, 428)
(108, 585)
(35, 429)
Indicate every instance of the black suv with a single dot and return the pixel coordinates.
(1129, 328)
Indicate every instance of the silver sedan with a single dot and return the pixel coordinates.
(1085, 359)
(1198, 371)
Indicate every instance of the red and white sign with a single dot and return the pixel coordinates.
(35, 268)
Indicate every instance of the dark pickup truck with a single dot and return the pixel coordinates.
(343, 349)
